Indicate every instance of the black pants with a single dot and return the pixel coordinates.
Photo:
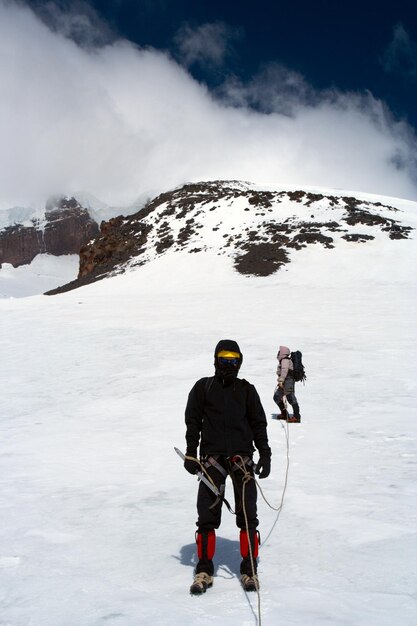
(209, 517)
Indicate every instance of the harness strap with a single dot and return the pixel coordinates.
(247, 461)
(211, 460)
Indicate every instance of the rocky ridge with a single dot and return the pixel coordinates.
(259, 229)
(63, 228)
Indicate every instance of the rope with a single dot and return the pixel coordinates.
(246, 478)
(285, 426)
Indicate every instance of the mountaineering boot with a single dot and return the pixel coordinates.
(248, 576)
(206, 546)
(284, 413)
(249, 583)
(202, 581)
(296, 418)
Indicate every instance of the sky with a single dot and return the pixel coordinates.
(351, 46)
(125, 99)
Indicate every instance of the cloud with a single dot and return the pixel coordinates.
(76, 20)
(208, 45)
(119, 121)
(274, 89)
(400, 57)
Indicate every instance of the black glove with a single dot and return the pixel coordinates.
(191, 466)
(263, 467)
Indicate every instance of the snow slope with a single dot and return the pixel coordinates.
(97, 511)
(45, 272)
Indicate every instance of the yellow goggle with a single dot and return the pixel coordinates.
(226, 354)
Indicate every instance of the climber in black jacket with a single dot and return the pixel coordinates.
(224, 416)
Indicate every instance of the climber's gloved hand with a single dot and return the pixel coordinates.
(263, 467)
(190, 465)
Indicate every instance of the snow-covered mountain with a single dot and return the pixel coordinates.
(260, 229)
(98, 514)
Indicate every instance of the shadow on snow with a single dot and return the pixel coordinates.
(226, 559)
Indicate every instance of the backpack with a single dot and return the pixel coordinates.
(298, 371)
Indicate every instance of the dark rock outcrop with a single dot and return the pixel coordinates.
(261, 259)
(120, 239)
(66, 228)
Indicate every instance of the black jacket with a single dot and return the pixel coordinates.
(228, 417)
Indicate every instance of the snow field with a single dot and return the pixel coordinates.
(98, 514)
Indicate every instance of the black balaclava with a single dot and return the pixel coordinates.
(227, 372)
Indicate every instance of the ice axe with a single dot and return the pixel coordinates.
(217, 492)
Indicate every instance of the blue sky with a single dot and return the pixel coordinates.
(368, 45)
(126, 99)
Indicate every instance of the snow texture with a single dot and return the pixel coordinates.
(98, 514)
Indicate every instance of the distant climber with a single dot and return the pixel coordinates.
(286, 386)
(224, 415)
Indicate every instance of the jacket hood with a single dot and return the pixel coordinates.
(227, 372)
(283, 352)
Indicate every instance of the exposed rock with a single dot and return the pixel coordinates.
(261, 259)
(66, 228)
(261, 199)
(357, 237)
(120, 240)
(305, 238)
(20, 244)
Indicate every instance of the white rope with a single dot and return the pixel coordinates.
(247, 477)
(284, 425)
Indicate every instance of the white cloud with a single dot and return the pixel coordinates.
(207, 44)
(119, 122)
(274, 89)
(77, 20)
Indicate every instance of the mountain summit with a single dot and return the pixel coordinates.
(260, 229)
